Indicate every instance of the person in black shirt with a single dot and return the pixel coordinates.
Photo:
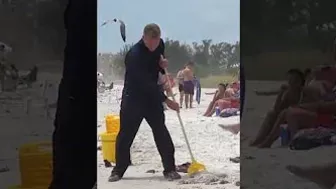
(142, 98)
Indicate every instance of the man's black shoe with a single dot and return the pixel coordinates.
(172, 175)
(114, 177)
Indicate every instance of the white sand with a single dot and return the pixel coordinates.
(267, 170)
(211, 145)
(18, 129)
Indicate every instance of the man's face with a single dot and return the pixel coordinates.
(151, 43)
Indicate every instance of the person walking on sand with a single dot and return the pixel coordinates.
(188, 84)
(142, 98)
(180, 80)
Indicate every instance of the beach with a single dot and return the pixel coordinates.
(266, 168)
(210, 144)
(19, 128)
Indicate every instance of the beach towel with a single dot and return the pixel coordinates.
(307, 139)
(228, 112)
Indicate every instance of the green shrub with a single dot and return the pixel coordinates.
(214, 80)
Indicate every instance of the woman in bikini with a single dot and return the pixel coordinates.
(219, 94)
(227, 101)
(323, 175)
(316, 109)
(288, 95)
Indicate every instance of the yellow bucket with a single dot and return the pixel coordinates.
(112, 123)
(108, 146)
(35, 165)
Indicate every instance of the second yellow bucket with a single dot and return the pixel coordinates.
(108, 146)
(112, 123)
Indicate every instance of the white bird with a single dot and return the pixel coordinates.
(4, 50)
(99, 74)
(122, 27)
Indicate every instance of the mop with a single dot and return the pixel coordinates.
(195, 167)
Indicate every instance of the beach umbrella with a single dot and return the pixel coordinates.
(122, 27)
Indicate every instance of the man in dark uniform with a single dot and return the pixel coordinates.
(76, 90)
(142, 98)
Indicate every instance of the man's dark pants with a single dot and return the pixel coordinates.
(131, 116)
(66, 163)
(61, 144)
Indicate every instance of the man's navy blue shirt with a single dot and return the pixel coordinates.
(142, 72)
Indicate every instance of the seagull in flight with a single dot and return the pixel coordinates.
(122, 27)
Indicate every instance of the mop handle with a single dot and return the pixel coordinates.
(180, 119)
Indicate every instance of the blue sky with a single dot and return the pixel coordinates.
(184, 20)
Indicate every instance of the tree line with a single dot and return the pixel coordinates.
(273, 25)
(209, 58)
(34, 28)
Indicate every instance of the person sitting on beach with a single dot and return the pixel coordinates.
(188, 84)
(218, 94)
(323, 77)
(315, 110)
(235, 86)
(288, 95)
(228, 101)
(310, 94)
(231, 90)
(237, 93)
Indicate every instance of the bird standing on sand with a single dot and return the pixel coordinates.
(4, 50)
(122, 27)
